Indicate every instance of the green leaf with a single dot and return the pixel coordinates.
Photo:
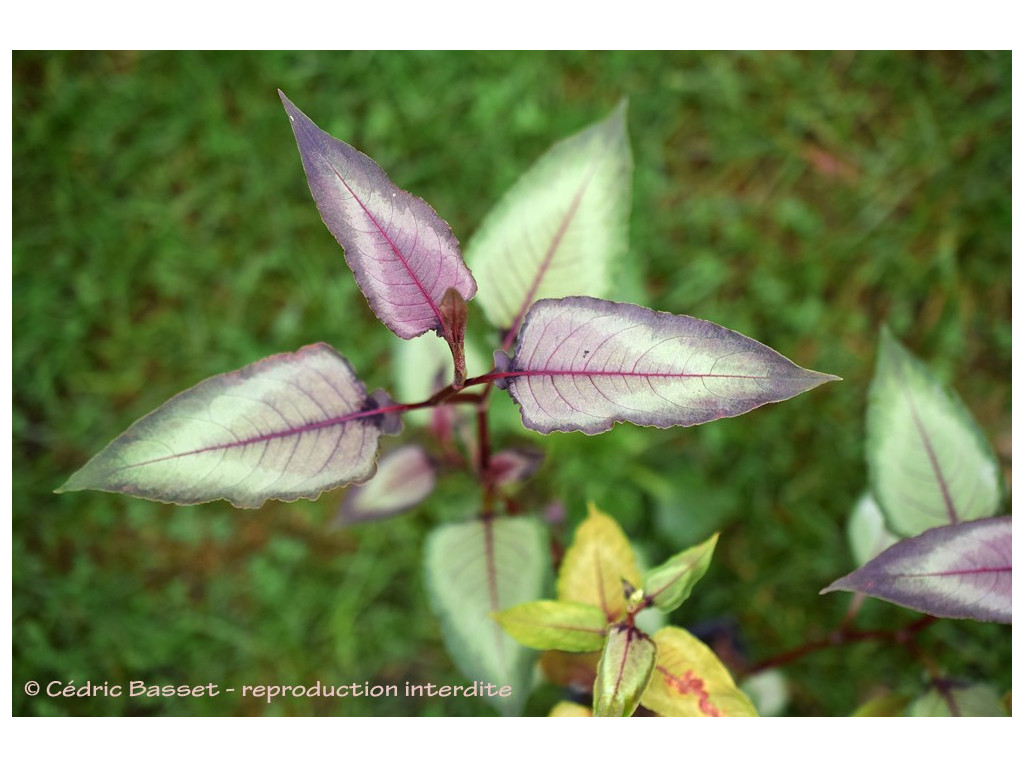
(623, 672)
(959, 701)
(596, 564)
(670, 583)
(559, 230)
(555, 625)
(474, 570)
(928, 461)
(690, 681)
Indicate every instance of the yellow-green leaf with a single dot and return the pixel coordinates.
(670, 583)
(596, 564)
(886, 705)
(690, 681)
(555, 625)
(569, 709)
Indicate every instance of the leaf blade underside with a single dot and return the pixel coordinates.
(584, 364)
(961, 571)
(403, 255)
(289, 426)
(561, 228)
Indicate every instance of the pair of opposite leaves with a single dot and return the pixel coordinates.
(295, 424)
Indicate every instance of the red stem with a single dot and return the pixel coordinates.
(453, 394)
(842, 636)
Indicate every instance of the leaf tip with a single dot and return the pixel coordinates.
(839, 585)
(823, 378)
(814, 379)
(79, 481)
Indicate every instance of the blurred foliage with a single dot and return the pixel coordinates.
(163, 233)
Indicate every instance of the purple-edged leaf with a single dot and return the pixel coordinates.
(961, 571)
(623, 672)
(584, 364)
(928, 461)
(403, 255)
(475, 570)
(404, 478)
(561, 229)
(287, 427)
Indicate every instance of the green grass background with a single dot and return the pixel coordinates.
(163, 233)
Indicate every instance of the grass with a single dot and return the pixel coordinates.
(163, 233)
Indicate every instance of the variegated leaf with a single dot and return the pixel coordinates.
(287, 427)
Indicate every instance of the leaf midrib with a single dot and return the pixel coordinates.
(280, 435)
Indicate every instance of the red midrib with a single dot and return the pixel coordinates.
(394, 248)
(312, 427)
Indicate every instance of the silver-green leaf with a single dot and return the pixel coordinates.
(560, 229)
(477, 569)
(929, 462)
(286, 427)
